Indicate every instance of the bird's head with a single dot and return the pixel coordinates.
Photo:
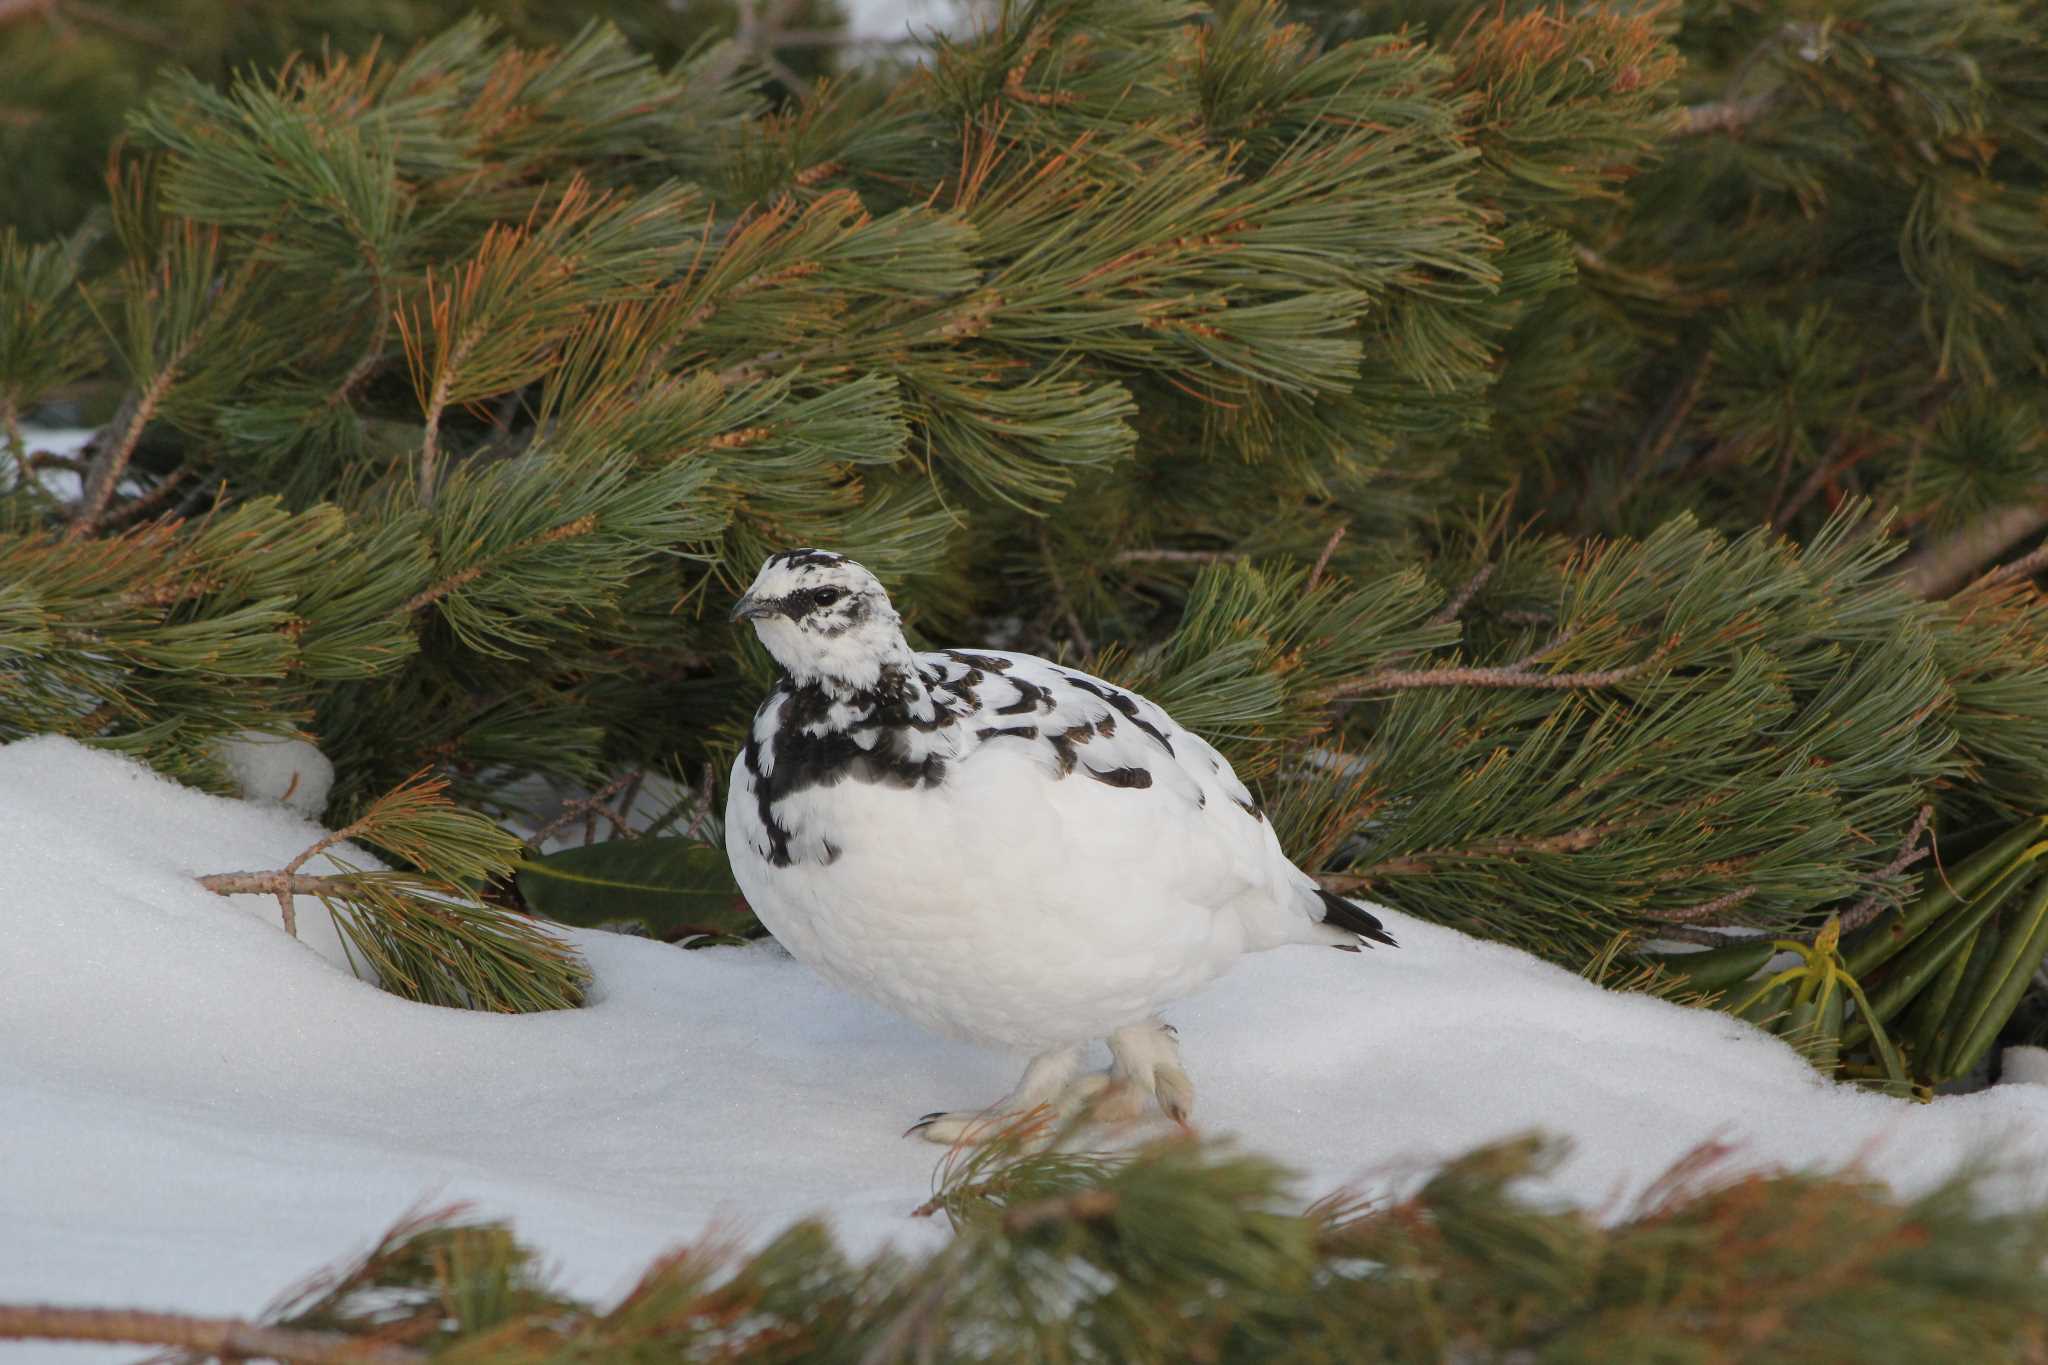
(825, 619)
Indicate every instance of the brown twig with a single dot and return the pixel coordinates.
(271, 883)
(1557, 642)
(1509, 676)
(1686, 933)
(1315, 575)
(1911, 851)
(1425, 861)
(226, 1338)
(434, 592)
(2026, 566)
(286, 882)
(592, 806)
(1462, 598)
(110, 460)
(1823, 473)
(703, 811)
(1724, 116)
(283, 885)
(1179, 556)
(1940, 568)
(130, 511)
(1693, 914)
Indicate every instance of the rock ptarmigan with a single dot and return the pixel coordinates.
(1002, 848)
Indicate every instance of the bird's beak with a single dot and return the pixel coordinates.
(751, 608)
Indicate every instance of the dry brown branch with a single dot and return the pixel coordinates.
(1179, 556)
(703, 803)
(2026, 566)
(1425, 861)
(1508, 676)
(271, 883)
(1939, 569)
(1693, 914)
(1315, 575)
(112, 460)
(286, 882)
(1686, 933)
(1911, 851)
(1823, 473)
(1724, 116)
(227, 1338)
(1462, 598)
(128, 512)
(592, 805)
(1559, 641)
(283, 885)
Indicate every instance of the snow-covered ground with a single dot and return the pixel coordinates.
(196, 1111)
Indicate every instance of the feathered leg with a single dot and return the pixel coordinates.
(1146, 1066)
(1050, 1080)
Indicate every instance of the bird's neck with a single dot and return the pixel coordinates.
(859, 685)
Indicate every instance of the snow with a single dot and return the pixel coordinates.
(889, 19)
(281, 769)
(199, 1111)
(61, 484)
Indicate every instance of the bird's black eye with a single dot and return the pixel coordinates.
(825, 597)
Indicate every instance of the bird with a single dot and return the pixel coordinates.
(1001, 847)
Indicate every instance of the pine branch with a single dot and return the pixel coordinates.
(1705, 910)
(283, 885)
(1455, 605)
(111, 460)
(424, 933)
(1315, 574)
(1911, 851)
(1179, 556)
(1424, 861)
(1509, 676)
(593, 806)
(1942, 567)
(2026, 566)
(1732, 116)
(227, 1338)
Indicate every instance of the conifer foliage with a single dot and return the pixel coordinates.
(1187, 1251)
(1497, 427)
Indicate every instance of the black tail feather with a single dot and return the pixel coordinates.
(1346, 916)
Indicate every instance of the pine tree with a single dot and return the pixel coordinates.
(1498, 427)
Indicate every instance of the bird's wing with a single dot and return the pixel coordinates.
(1181, 812)
(1077, 725)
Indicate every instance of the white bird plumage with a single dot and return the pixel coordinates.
(1002, 848)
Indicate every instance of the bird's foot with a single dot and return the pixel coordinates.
(1145, 1069)
(1082, 1096)
(1146, 1066)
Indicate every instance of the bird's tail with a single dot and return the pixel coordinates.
(1339, 913)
